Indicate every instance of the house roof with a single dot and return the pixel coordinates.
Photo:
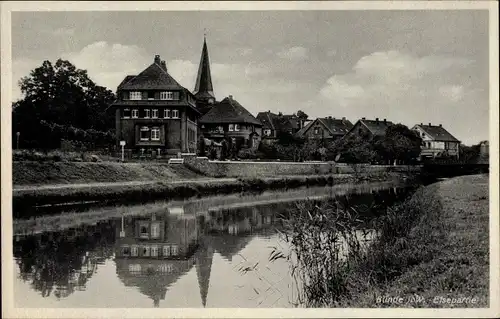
(154, 76)
(376, 127)
(333, 125)
(267, 119)
(278, 122)
(229, 111)
(301, 132)
(437, 133)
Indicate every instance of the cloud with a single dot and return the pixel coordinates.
(63, 32)
(107, 64)
(454, 92)
(294, 53)
(409, 89)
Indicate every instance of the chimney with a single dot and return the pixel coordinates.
(343, 119)
(231, 97)
(385, 121)
(421, 124)
(363, 118)
(329, 117)
(157, 59)
(430, 124)
(164, 65)
(376, 120)
(440, 125)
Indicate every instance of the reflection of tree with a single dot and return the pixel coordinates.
(62, 262)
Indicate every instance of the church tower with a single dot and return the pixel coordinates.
(203, 90)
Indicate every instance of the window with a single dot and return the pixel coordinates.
(267, 132)
(166, 268)
(126, 113)
(166, 251)
(174, 250)
(316, 130)
(125, 250)
(135, 113)
(236, 127)
(135, 96)
(231, 127)
(220, 129)
(155, 230)
(154, 251)
(175, 114)
(155, 134)
(155, 113)
(145, 134)
(145, 251)
(135, 251)
(147, 113)
(166, 95)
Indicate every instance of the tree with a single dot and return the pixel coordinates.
(61, 94)
(400, 143)
(301, 115)
(352, 149)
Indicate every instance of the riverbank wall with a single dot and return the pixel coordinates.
(255, 169)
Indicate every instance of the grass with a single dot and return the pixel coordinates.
(434, 244)
(50, 172)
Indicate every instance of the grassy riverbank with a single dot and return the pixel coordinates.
(51, 172)
(435, 244)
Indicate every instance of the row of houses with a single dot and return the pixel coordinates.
(154, 112)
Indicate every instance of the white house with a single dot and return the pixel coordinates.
(436, 141)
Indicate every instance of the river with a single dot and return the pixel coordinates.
(187, 253)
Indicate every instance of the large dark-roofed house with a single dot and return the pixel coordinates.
(370, 128)
(154, 112)
(229, 118)
(325, 128)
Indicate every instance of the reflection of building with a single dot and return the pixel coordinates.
(232, 229)
(157, 236)
(153, 252)
(203, 258)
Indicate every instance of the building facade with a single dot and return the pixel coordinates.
(155, 113)
(437, 142)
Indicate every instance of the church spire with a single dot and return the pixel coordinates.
(204, 90)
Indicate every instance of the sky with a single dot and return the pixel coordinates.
(408, 67)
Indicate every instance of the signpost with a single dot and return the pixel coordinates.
(18, 133)
(122, 144)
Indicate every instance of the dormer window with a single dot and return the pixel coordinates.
(166, 95)
(135, 95)
(236, 127)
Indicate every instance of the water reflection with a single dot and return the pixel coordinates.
(152, 252)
